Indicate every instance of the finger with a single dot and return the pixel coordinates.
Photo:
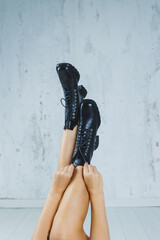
(71, 169)
(85, 168)
(94, 169)
(65, 170)
(61, 170)
(90, 167)
(70, 166)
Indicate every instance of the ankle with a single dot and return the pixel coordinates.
(79, 168)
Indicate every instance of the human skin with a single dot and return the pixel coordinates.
(94, 183)
(50, 208)
(60, 181)
(72, 211)
(67, 147)
(67, 202)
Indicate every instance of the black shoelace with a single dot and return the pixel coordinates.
(83, 141)
(70, 102)
(67, 99)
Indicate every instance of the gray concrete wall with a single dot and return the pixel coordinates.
(115, 44)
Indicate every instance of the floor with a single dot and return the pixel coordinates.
(124, 223)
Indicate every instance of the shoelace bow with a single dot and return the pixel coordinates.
(68, 98)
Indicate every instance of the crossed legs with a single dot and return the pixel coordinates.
(70, 216)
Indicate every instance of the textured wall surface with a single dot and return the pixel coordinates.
(115, 44)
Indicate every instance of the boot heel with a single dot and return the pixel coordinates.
(96, 142)
(82, 91)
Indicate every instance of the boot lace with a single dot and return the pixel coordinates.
(70, 101)
(83, 140)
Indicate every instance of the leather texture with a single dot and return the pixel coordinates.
(73, 94)
(86, 141)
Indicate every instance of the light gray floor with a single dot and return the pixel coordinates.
(124, 223)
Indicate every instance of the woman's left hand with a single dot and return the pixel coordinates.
(62, 178)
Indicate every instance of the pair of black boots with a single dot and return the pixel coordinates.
(78, 111)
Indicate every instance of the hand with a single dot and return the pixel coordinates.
(61, 179)
(93, 179)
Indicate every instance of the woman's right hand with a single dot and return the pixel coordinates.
(93, 179)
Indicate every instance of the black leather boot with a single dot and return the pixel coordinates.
(86, 141)
(73, 94)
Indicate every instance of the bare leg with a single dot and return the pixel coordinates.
(68, 221)
(67, 147)
(70, 216)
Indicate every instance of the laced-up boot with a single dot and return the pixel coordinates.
(73, 94)
(87, 141)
